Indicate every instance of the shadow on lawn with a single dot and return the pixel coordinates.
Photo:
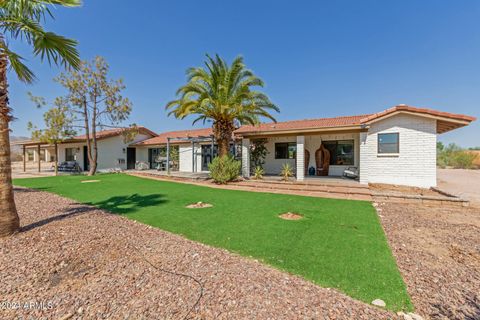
(130, 203)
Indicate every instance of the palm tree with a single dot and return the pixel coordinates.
(21, 20)
(222, 94)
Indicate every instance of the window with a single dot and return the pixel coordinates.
(388, 143)
(70, 154)
(287, 150)
(341, 152)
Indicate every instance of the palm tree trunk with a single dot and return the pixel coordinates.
(223, 147)
(9, 221)
(222, 130)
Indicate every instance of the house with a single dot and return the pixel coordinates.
(395, 146)
(113, 151)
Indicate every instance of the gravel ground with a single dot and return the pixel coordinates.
(438, 253)
(76, 262)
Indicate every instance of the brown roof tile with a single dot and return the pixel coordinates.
(112, 133)
(344, 121)
(162, 137)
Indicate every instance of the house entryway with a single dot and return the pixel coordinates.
(131, 158)
(207, 155)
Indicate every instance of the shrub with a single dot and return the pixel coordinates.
(286, 172)
(258, 173)
(454, 156)
(463, 160)
(224, 169)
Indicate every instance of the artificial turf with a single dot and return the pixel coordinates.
(338, 243)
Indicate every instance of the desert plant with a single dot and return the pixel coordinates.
(463, 160)
(287, 171)
(258, 173)
(224, 169)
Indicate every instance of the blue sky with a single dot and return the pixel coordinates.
(317, 58)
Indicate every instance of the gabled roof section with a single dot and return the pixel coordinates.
(114, 132)
(445, 121)
(303, 125)
(161, 139)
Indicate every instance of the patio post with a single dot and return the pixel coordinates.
(300, 158)
(193, 155)
(24, 159)
(211, 149)
(168, 156)
(246, 158)
(38, 156)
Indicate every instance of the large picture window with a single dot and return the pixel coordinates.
(285, 150)
(388, 143)
(341, 152)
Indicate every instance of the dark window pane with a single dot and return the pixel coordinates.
(341, 152)
(285, 150)
(388, 143)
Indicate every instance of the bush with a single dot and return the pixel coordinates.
(454, 156)
(224, 169)
(463, 160)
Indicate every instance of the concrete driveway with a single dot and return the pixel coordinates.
(461, 182)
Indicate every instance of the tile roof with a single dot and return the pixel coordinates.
(112, 133)
(403, 107)
(162, 137)
(337, 122)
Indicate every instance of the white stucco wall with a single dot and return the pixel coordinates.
(110, 150)
(414, 165)
(185, 157)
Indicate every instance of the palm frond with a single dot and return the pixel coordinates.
(57, 49)
(23, 73)
(222, 93)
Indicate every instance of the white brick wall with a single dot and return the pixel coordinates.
(246, 158)
(415, 165)
(300, 158)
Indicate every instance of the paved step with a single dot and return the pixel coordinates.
(341, 189)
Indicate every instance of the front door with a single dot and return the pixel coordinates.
(131, 158)
(85, 159)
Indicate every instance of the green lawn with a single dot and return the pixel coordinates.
(339, 243)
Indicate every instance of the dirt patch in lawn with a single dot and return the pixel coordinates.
(290, 216)
(438, 253)
(199, 205)
(90, 181)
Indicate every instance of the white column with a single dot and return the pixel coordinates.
(35, 155)
(363, 159)
(300, 158)
(246, 158)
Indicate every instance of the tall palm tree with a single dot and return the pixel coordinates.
(22, 20)
(224, 95)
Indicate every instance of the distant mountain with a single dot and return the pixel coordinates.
(16, 151)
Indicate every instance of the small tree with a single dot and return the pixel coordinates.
(58, 126)
(258, 153)
(95, 102)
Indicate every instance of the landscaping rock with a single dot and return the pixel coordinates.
(438, 253)
(115, 268)
(379, 303)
